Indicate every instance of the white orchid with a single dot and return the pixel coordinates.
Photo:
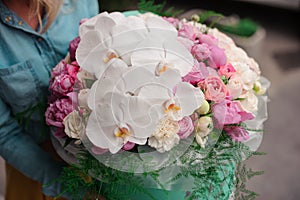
(112, 37)
(128, 102)
(164, 55)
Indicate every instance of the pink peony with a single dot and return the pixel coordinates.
(199, 72)
(73, 69)
(186, 127)
(237, 133)
(226, 70)
(73, 46)
(201, 52)
(57, 111)
(59, 69)
(229, 112)
(214, 88)
(62, 85)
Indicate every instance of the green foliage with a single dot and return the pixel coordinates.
(159, 9)
(210, 15)
(24, 117)
(211, 174)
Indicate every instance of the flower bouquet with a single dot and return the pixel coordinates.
(150, 107)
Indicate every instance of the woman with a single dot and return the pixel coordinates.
(34, 37)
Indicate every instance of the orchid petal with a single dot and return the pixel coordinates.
(125, 40)
(150, 51)
(104, 25)
(108, 82)
(178, 56)
(101, 134)
(189, 98)
(140, 116)
(91, 52)
(136, 77)
(90, 24)
(158, 26)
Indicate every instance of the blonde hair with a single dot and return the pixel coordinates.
(48, 7)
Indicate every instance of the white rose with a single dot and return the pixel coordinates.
(74, 126)
(82, 97)
(247, 76)
(235, 86)
(249, 102)
(236, 54)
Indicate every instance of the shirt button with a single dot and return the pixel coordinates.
(40, 39)
(20, 23)
(7, 18)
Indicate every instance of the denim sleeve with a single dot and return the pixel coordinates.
(20, 151)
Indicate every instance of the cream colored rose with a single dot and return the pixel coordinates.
(204, 125)
(249, 102)
(235, 86)
(165, 136)
(82, 97)
(74, 126)
(248, 76)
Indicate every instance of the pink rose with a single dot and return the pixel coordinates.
(198, 73)
(57, 111)
(229, 112)
(186, 127)
(226, 70)
(208, 39)
(237, 133)
(201, 52)
(172, 20)
(62, 85)
(128, 146)
(188, 31)
(214, 88)
(73, 47)
(217, 58)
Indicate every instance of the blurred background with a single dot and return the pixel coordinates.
(275, 44)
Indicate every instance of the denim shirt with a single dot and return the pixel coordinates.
(26, 59)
